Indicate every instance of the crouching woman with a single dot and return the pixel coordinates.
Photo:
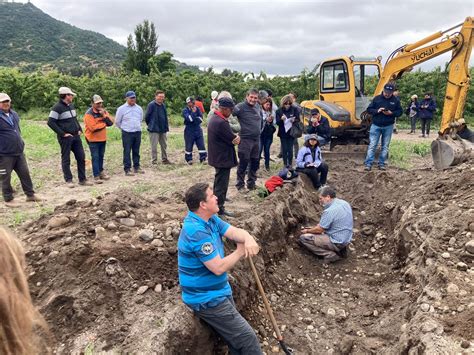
(310, 162)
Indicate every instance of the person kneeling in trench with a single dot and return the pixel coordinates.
(202, 269)
(329, 239)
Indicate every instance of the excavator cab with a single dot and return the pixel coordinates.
(346, 84)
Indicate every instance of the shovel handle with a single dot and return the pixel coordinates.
(265, 301)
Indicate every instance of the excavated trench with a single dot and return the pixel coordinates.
(101, 287)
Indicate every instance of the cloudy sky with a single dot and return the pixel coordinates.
(278, 37)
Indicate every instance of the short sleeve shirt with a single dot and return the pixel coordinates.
(201, 241)
(337, 221)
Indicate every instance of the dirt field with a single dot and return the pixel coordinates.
(103, 265)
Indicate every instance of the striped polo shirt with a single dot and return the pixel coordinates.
(337, 221)
(201, 241)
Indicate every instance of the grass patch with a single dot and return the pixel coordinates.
(402, 152)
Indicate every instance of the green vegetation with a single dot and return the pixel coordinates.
(141, 48)
(402, 152)
(32, 39)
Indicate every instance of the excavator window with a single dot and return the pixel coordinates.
(334, 77)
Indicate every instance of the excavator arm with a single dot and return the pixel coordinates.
(448, 149)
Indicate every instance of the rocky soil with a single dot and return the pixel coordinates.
(104, 271)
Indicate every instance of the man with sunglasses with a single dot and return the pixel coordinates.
(12, 157)
(63, 120)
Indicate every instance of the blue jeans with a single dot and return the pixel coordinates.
(97, 153)
(131, 143)
(265, 143)
(232, 327)
(376, 132)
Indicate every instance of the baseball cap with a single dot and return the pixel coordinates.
(313, 136)
(314, 111)
(415, 96)
(4, 97)
(189, 99)
(226, 102)
(130, 94)
(389, 88)
(96, 99)
(64, 90)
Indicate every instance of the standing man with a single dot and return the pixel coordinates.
(203, 266)
(384, 109)
(220, 142)
(296, 146)
(63, 120)
(426, 113)
(193, 132)
(331, 236)
(156, 118)
(96, 121)
(129, 118)
(251, 123)
(12, 157)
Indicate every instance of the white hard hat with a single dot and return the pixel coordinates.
(214, 94)
(4, 97)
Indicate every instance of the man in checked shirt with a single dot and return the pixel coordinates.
(329, 239)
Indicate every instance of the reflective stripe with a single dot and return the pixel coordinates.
(67, 115)
(54, 115)
(202, 151)
(188, 152)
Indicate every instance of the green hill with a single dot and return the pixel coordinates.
(32, 39)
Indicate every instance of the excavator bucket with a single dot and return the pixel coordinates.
(447, 151)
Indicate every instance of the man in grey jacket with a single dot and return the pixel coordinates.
(250, 118)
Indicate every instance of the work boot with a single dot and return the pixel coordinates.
(382, 167)
(189, 162)
(422, 136)
(12, 203)
(129, 173)
(85, 183)
(368, 168)
(139, 171)
(166, 162)
(98, 180)
(104, 176)
(343, 252)
(70, 184)
(331, 259)
(225, 213)
(33, 198)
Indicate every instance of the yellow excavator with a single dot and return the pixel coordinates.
(343, 96)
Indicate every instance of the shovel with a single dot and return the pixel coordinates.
(284, 347)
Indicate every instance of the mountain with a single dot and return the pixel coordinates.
(32, 39)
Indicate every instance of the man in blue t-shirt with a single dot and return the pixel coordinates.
(203, 266)
(329, 239)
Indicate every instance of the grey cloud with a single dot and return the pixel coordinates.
(279, 37)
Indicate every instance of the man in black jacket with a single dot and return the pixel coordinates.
(156, 118)
(12, 157)
(63, 120)
(221, 151)
(319, 125)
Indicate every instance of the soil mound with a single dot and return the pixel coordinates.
(104, 271)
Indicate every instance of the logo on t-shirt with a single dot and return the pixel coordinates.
(207, 248)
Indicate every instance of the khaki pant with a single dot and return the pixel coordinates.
(156, 138)
(321, 245)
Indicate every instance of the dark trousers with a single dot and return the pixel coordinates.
(191, 137)
(265, 144)
(317, 175)
(68, 145)
(425, 125)
(20, 166)
(221, 185)
(97, 153)
(226, 321)
(131, 144)
(413, 123)
(248, 158)
(287, 150)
